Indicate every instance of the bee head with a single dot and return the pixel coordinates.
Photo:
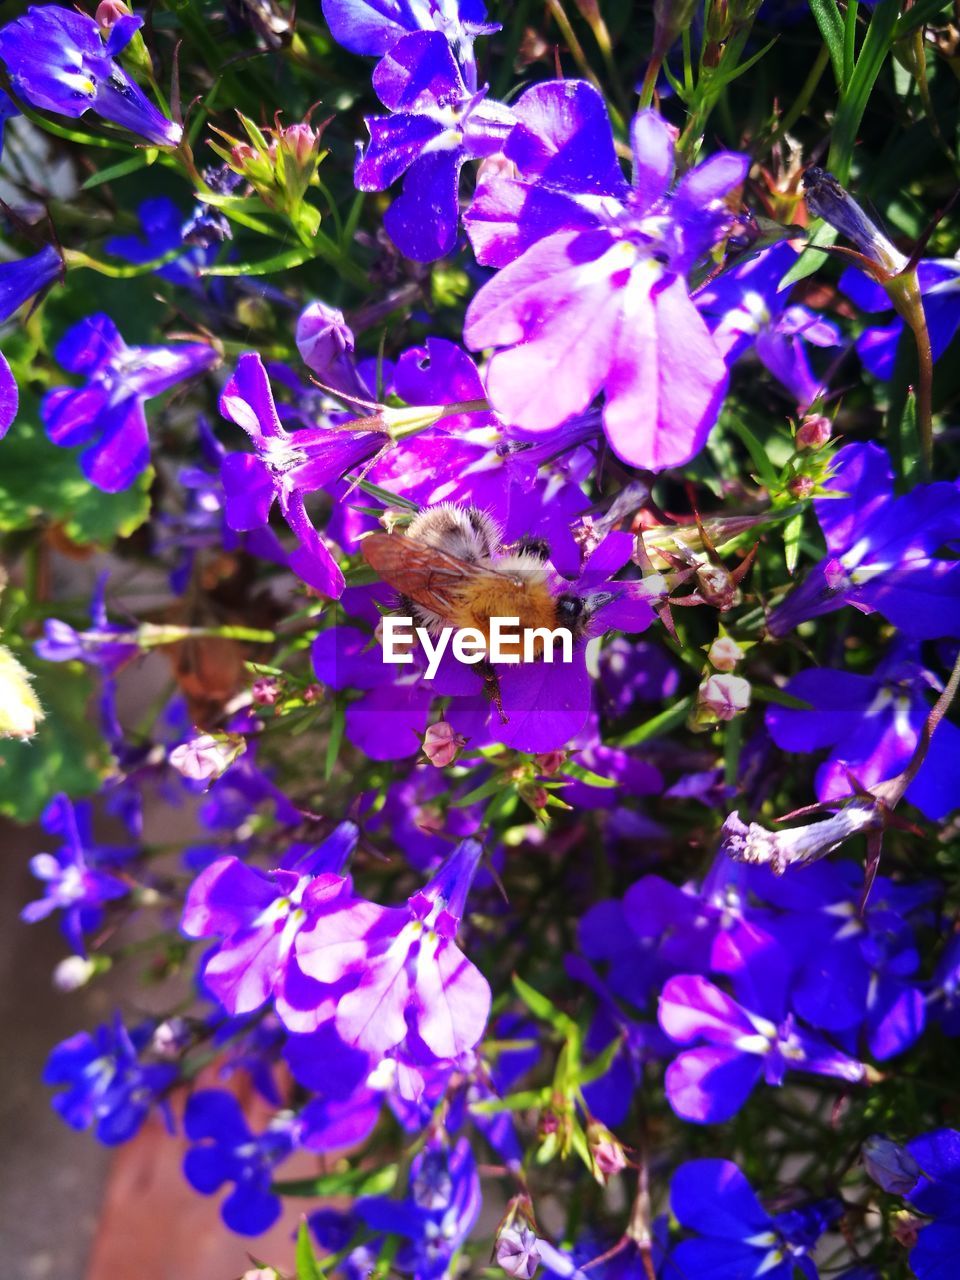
(575, 612)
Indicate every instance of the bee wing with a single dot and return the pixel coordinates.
(431, 577)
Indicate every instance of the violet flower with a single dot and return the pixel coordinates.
(163, 231)
(872, 725)
(739, 1043)
(415, 984)
(937, 1196)
(106, 414)
(59, 62)
(108, 1088)
(854, 970)
(73, 880)
(225, 1150)
(592, 293)
(882, 551)
(284, 468)
(19, 281)
(436, 126)
(939, 282)
(105, 645)
(746, 310)
(375, 26)
(257, 917)
(438, 1213)
(735, 1235)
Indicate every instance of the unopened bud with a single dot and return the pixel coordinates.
(890, 1166)
(442, 744)
(813, 432)
(265, 691)
(323, 337)
(722, 698)
(607, 1153)
(517, 1250)
(109, 12)
(73, 973)
(802, 486)
(670, 18)
(204, 758)
(20, 710)
(170, 1037)
(827, 199)
(550, 762)
(300, 142)
(724, 653)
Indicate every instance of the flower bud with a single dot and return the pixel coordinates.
(722, 698)
(827, 199)
(73, 973)
(802, 486)
(109, 12)
(670, 19)
(442, 744)
(204, 758)
(170, 1037)
(813, 432)
(265, 691)
(20, 710)
(517, 1250)
(324, 339)
(724, 653)
(550, 762)
(606, 1152)
(890, 1166)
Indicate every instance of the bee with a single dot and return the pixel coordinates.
(452, 569)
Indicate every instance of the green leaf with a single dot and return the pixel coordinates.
(911, 458)
(812, 258)
(767, 693)
(658, 724)
(922, 11)
(294, 257)
(525, 1100)
(791, 541)
(545, 1009)
(355, 1182)
(308, 1268)
(600, 1065)
(588, 776)
(828, 19)
(120, 169)
(39, 481)
(758, 454)
(67, 753)
(856, 94)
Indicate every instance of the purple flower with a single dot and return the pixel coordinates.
(882, 551)
(872, 725)
(746, 311)
(438, 1213)
(735, 1235)
(375, 26)
(225, 1150)
(415, 984)
(937, 1194)
(163, 231)
(257, 916)
(58, 61)
(592, 295)
(108, 1088)
(19, 281)
(939, 281)
(104, 645)
(284, 468)
(73, 882)
(436, 126)
(106, 414)
(740, 1043)
(853, 969)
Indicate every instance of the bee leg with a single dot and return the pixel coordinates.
(491, 687)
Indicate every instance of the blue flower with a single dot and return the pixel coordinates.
(375, 26)
(58, 62)
(108, 1088)
(106, 414)
(163, 230)
(937, 1194)
(73, 882)
(882, 551)
(104, 645)
(939, 281)
(226, 1151)
(19, 281)
(438, 124)
(736, 1237)
(746, 311)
